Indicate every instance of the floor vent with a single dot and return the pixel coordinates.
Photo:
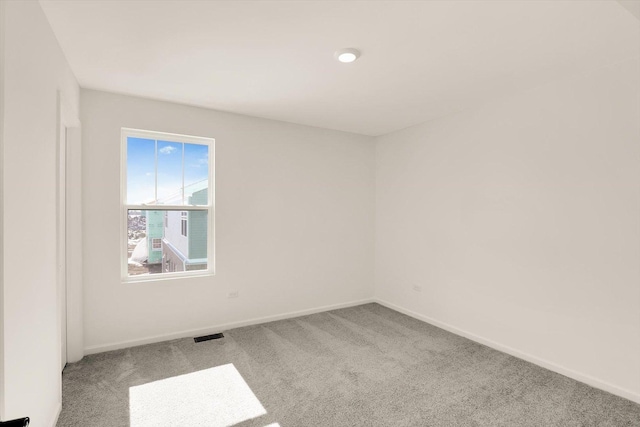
(208, 337)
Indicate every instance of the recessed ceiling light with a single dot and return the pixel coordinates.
(347, 55)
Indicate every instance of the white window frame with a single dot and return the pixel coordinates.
(124, 207)
(153, 241)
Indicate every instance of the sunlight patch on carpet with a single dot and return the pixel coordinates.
(216, 397)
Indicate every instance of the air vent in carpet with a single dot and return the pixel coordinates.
(208, 337)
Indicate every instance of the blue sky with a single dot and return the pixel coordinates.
(141, 169)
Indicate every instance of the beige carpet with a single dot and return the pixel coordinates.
(361, 366)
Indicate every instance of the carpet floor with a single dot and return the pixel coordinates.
(360, 366)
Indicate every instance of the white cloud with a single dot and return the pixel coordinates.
(168, 149)
(203, 161)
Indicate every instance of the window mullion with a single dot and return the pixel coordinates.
(183, 201)
(168, 207)
(155, 187)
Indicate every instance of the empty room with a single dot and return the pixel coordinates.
(319, 213)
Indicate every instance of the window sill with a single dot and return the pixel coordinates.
(145, 278)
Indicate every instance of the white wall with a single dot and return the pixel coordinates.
(35, 70)
(294, 222)
(520, 221)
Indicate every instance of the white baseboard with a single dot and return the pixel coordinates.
(56, 415)
(219, 328)
(578, 376)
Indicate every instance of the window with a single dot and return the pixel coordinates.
(183, 223)
(167, 205)
(156, 244)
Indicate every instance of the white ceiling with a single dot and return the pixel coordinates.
(420, 59)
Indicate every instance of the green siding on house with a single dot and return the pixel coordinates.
(155, 230)
(197, 228)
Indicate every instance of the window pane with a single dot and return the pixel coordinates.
(141, 180)
(196, 174)
(156, 243)
(169, 173)
(161, 168)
